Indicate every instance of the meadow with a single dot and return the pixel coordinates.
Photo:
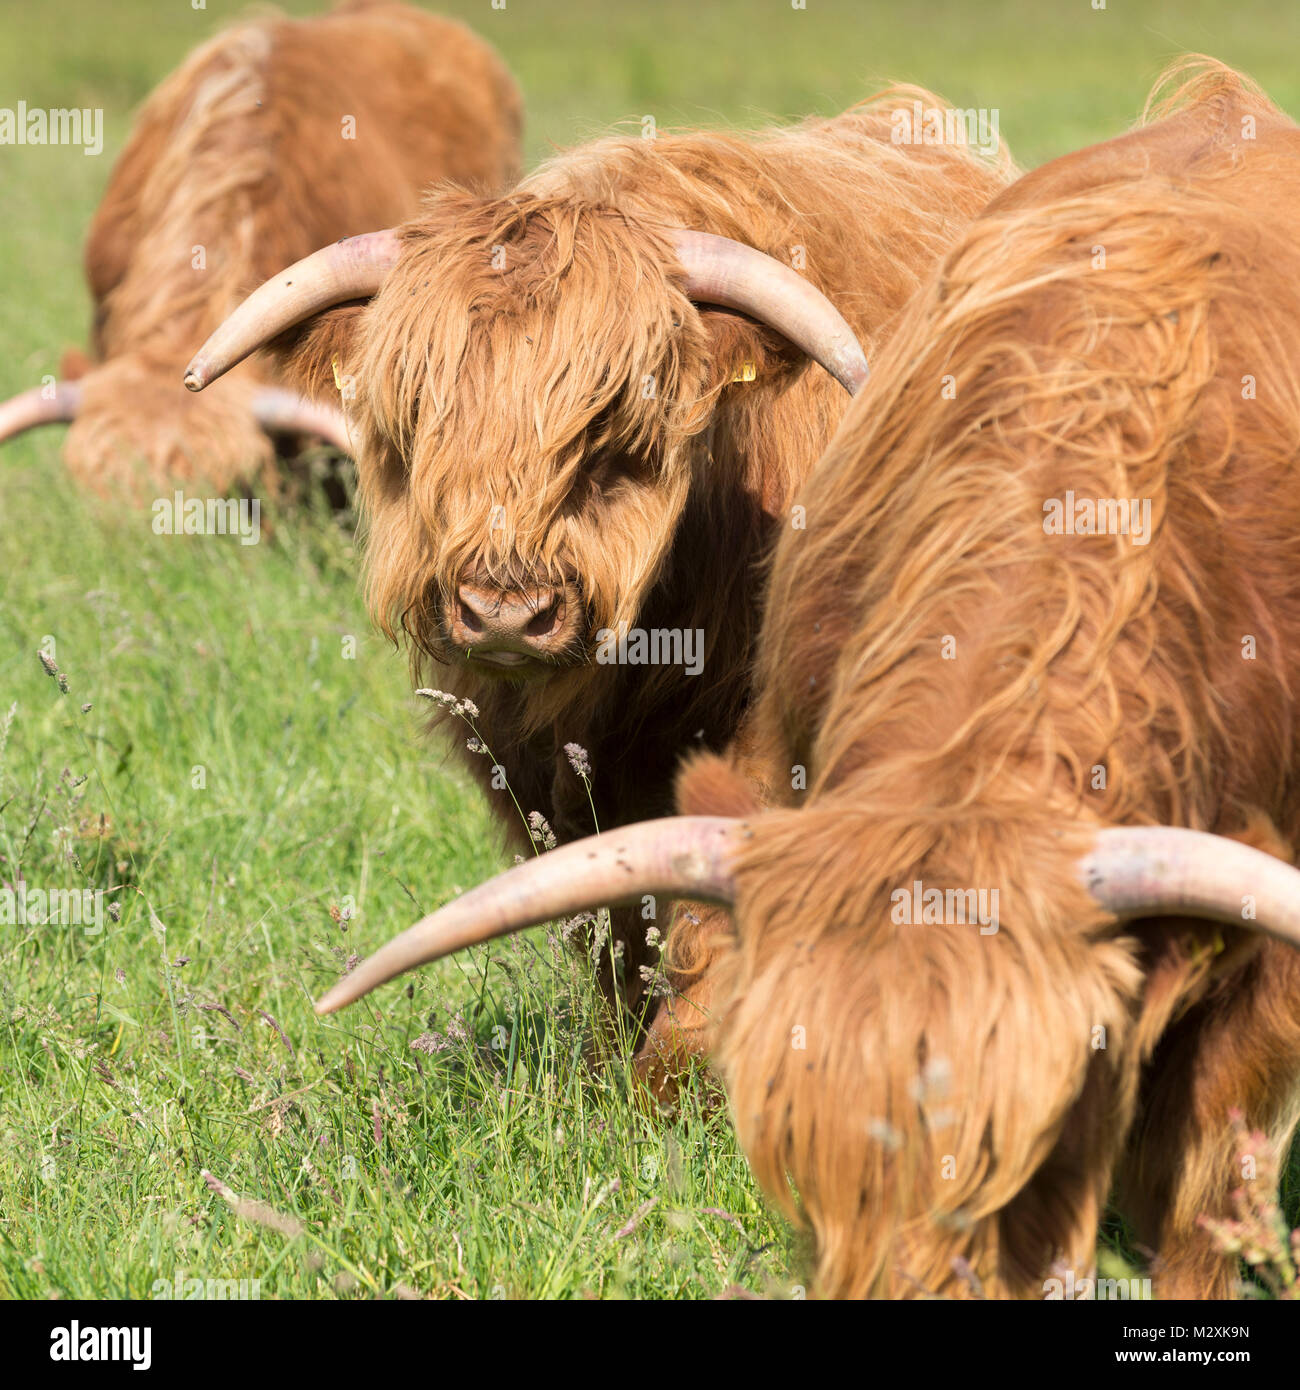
(238, 760)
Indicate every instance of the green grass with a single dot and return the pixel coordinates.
(136, 1059)
(127, 1070)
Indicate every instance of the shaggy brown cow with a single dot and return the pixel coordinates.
(994, 694)
(272, 138)
(565, 435)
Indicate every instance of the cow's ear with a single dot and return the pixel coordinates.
(316, 357)
(743, 350)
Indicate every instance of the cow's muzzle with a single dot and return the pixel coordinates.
(515, 631)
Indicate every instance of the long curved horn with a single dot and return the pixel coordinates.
(736, 276)
(34, 408)
(1132, 871)
(680, 857)
(278, 410)
(1164, 870)
(353, 268)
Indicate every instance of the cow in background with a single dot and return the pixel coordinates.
(273, 137)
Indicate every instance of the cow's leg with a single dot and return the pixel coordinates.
(1238, 1048)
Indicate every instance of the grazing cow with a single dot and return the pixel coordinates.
(270, 139)
(1028, 935)
(593, 441)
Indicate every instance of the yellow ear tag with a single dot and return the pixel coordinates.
(338, 380)
(748, 371)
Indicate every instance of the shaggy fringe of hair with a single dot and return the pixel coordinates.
(1068, 654)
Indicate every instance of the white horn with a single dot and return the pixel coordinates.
(1164, 871)
(281, 411)
(353, 268)
(40, 406)
(736, 276)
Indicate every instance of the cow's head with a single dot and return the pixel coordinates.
(134, 431)
(526, 385)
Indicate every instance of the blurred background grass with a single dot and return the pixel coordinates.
(466, 1168)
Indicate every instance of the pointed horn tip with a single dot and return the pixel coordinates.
(194, 378)
(335, 998)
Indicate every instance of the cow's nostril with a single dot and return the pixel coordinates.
(524, 619)
(473, 609)
(546, 619)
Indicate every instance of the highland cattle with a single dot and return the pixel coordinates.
(273, 137)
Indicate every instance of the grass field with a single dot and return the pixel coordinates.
(239, 758)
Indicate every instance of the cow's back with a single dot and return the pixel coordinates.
(423, 99)
(1116, 329)
(1213, 124)
(861, 215)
